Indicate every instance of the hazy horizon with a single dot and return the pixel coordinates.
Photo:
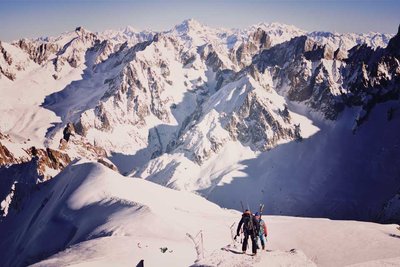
(40, 18)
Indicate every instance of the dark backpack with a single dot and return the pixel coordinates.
(248, 223)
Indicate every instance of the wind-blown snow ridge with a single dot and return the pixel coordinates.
(94, 216)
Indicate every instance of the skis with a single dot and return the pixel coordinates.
(261, 209)
(228, 249)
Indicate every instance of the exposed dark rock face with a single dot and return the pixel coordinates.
(7, 56)
(6, 157)
(284, 53)
(318, 52)
(261, 39)
(107, 164)
(255, 125)
(291, 65)
(46, 158)
(6, 70)
(372, 76)
(38, 52)
(223, 77)
(210, 56)
(393, 47)
(49, 159)
(11, 76)
(258, 41)
(366, 77)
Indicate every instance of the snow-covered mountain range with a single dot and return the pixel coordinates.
(305, 122)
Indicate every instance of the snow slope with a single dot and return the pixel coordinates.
(90, 208)
(91, 216)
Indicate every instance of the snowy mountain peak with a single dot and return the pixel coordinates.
(277, 26)
(128, 34)
(277, 32)
(129, 29)
(194, 34)
(189, 25)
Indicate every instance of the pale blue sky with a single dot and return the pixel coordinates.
(34, 18)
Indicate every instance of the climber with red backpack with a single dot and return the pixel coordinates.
(262, 233)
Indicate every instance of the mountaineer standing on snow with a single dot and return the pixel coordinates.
(251, 227)
(263, 229)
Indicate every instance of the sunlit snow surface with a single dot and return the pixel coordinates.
(92, 216)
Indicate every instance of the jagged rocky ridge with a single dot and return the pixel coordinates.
(19, 174)
(319, 86)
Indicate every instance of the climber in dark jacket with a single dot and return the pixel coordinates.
(251, 227)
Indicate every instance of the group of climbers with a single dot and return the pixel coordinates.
(253, 227)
